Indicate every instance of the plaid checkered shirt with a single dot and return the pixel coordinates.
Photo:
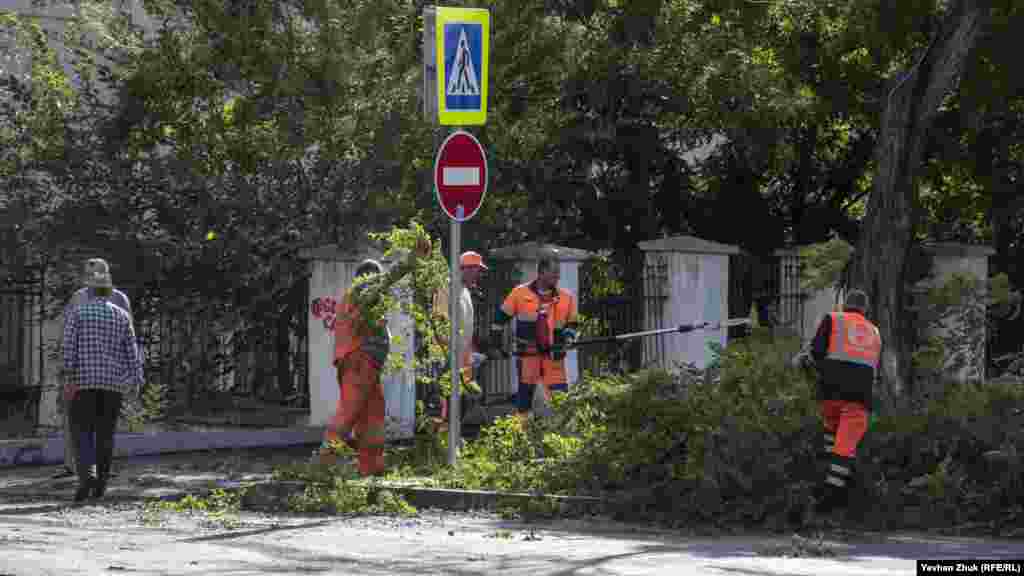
(99, 348)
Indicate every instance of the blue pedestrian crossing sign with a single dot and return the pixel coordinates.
(462, 59)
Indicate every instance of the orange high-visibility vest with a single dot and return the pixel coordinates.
(854, 340)
(526, 305)
(347, 337)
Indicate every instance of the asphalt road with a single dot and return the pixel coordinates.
(42, 534)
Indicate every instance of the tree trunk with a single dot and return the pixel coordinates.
(912, 102)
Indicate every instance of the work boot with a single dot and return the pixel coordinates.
(63, 472)
(86, 482)
(99, 488)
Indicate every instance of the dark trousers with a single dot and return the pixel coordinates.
(93, 420)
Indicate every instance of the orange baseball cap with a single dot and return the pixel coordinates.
(472, 259)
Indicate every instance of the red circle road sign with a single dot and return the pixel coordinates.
(460, 175)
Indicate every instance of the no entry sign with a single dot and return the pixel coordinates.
(460, 175)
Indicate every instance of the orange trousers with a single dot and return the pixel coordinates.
(360, 411)
(845, 424)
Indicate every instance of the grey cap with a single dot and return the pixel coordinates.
(97, 274)
(856, 300)
(369, 266)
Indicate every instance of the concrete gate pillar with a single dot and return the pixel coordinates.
(331, 269)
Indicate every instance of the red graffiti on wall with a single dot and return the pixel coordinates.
(325, 309)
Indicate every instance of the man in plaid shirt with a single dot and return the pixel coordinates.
(102, 364)
(84, 295)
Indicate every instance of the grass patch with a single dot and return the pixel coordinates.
(219, 508)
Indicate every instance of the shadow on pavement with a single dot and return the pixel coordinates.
(838, 545)
(290, 560)
(28, 510)
(256, 532)
(588, 566)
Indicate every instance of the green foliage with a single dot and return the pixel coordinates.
(605, 279)
(219, 506)
(502, 459)
(654, 430)
(312, 472)
(822, 265)
(151, 406)
(408, 288)
(347, 497)
(736, 443)
(934, 455)
(377, 296)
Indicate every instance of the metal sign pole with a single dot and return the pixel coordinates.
(455, 341)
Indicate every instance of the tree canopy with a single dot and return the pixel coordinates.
(202, 146)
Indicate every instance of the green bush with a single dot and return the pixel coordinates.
(700, 440)
(150, 406)
(740, 442)
(934, 455)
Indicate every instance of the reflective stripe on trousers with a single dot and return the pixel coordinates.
(840, 471)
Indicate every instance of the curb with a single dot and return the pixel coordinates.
(274, 496)
(41, 451)
(464, 500)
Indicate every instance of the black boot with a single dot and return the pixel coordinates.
(86, 483)
(825, 500)
(63, 472)
(84, 489)
(99, 488)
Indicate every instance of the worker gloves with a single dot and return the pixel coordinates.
(564, 338)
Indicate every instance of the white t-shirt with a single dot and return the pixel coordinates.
(465, 311)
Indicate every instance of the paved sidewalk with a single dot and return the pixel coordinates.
(50, 450)
(157, 475)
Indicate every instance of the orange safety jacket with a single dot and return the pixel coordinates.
(847, 349)
(350, 335)
(555, 312)
(854, 340)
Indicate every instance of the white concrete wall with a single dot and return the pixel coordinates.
(698, 292)
(816, 306)
(944, 267)
(329, 281)
(52, 333)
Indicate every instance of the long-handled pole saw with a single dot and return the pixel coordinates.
(682, 329)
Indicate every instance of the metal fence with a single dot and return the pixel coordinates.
(22, 351)
(788, 295)
(205, 362)
(495, 378)
(639, 305)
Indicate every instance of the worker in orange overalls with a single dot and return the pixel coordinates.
(546, 317)
(846, 350)
(360, 352)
